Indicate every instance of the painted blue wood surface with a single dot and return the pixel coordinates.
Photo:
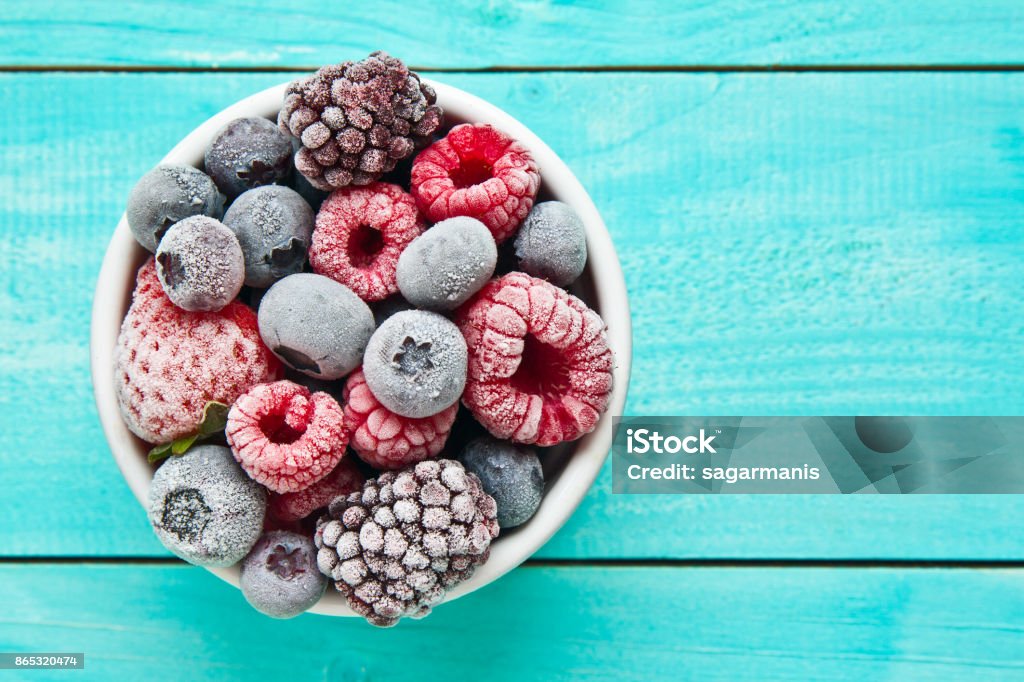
(469, 34)
(621, 624)
(793, 243)
(838, 243)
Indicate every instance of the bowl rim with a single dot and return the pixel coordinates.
(116, 278)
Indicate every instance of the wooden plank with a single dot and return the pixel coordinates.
(813, 243)
(539, 623)
(467, 34)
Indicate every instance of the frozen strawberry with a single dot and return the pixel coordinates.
(540, 370)
(286, 437)
(360, 233)
(169, 362)
(386, 440)
(480, 172)
(345, 479)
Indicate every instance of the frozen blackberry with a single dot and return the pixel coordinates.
(356, 120)
(315, 325)
(167, 194)
(204, 508)
(447, 264)
(274, 225)
(395, 547)
(247, 153)
(415, 363)
(200, 264)
(280, 577)
(511, 475)
(552, 243)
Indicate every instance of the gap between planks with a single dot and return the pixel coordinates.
(628, 68)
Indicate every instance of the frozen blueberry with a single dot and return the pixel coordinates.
(447, 264)
(552, 243)
(273, 225)
(204, 508)
(167, 194)
(415, 363)
(511, 475)
(280, 576)
(200, 264)
(247, 153)
(315, 325)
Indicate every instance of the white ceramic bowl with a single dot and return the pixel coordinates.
(570, 471)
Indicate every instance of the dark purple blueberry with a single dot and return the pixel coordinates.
(247, 153)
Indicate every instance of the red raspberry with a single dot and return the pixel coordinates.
(540, 370)
(360, 233)
(385, 440)
(345, 478)
(285, 437)
(476, 171)
(170, 362)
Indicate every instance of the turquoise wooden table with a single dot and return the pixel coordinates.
(819, 208)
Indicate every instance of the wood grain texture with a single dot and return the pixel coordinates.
(466, 34)
(170, 622)
(811, 243)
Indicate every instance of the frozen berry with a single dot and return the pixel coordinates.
(511, 475)
(204, 508)
(356, 120)
(345, 478)
(170, 362)
(415, 363)
(167, 194)
(315, 325)
(386, 440)
(360, 233)
(476, 171)
(552, 243)
(200, 264)
(447, 264)
(285, 437)
(247, 153)
(280, 577)
(540, 370)
(395, 547)
(274, 226)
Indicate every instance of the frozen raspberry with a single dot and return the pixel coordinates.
(386, 440)
(360, 233)
(356, 120)
(170, 362)
(540, 370)
(345, 478)
(285, 437)
(480, 172)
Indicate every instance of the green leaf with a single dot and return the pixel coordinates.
(213, 421)
(181, 446)
(215, 418)
(160, 452)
